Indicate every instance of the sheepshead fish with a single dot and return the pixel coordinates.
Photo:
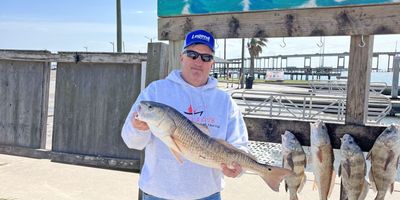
(384, 157)
(191, 141)
(322, 159)
(294, 159)
(353, 169)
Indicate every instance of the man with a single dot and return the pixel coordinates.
(194, 93)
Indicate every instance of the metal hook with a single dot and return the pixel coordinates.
(362, 44)
(321, 43)
(284, 43)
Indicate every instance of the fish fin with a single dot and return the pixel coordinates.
(320, 154)
(171, 143)
(391, 188)
(305, 162)
(273, 176)
(175, 150)
(230, 146)
(389, 159)
(346, 166)
(289, 160)
(397, 163)
(203, 128)
(302, 183)
(364, 190)
(372, 180)
(177, 156)
(369, 155)
(333, 177)
(365, 168)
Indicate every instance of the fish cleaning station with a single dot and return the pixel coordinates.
(75, 114)
(360, 22)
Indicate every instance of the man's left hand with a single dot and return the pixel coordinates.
(231, 172)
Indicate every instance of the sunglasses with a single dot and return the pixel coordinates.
(194, 55)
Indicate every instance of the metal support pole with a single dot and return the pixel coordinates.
(395, 82)
(119, 31)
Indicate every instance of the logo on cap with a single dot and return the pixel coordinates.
(201, 37)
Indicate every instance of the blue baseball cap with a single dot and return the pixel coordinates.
(199, 37)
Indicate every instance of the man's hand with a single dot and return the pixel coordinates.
(140, 125)
(231, 172)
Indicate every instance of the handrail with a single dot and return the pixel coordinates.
(305, 105)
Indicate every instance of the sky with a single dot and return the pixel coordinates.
(77, 25)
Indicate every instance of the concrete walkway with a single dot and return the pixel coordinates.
(34, 179)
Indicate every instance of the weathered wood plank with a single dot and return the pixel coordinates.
(72, 57)
(87, 57)
(23, 102)
(270, 130)
(175, 49)
(352, 20)
(157, 63)
(92, 101)
(360, 61)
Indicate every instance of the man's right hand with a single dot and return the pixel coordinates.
(140, 125)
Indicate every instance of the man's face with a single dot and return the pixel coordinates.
(196, 71)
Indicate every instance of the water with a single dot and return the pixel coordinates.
(382, 77)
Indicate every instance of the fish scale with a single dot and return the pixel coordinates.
(188, 141)
(294, 158)
(384, 156)
(322, 159)
(353, 169)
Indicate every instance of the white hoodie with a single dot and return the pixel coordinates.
(163, 176)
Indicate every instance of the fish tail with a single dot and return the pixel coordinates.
(293, 196)
(273, 176)
(380, 195)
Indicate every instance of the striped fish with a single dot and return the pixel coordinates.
(384, 157)
(322, 159)
(353, 169)
(294, 159)
(191, 141)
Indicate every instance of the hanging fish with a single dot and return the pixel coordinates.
(322, 159)
(384, 157)
(294, 159)
(353, 169)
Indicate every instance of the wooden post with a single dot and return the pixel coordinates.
(360, 60)
(175, 49)
(157, 68)
(395, 80)
(157, 62)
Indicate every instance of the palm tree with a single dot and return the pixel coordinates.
(255, 46)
